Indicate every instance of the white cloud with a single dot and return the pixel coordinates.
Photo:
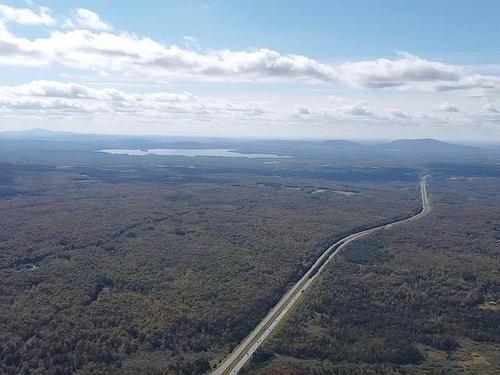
(72, 103)
(26, 16)
(465, 82)
(88, 20)
(58, 98)
(128, 54)
(303, 111)
(358, 109)
(408, 68)
(491, 108)
(348, 112)
(447, 107)
(400, 114)
(489, 113)
(411, 72)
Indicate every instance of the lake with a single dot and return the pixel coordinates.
(223, 152)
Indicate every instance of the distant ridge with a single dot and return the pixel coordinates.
(425, 145)
(341, 143)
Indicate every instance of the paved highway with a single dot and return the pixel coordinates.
(242, 353)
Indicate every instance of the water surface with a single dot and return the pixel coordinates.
(224, 152)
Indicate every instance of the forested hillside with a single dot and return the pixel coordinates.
(417, 299)
(120, 267)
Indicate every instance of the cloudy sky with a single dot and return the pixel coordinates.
(337, 69)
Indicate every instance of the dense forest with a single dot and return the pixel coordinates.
(163, 265)
(417, 299)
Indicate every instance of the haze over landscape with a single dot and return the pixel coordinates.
(249, 187)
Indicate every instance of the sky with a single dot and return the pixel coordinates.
(260, 69)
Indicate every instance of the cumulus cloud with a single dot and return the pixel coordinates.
(86, 19)
(128, 54)
(447, 107)
(26, 16)
(410, 72)
(395, 73)
(491, 108)
(76, 103)
(92, 46)
(400, 114)
(357, 110)
(303, 111)
(489, 113)
(349, 112)
(51, 98)
(58, 98)
(342, 110)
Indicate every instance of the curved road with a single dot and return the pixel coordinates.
(242, 353)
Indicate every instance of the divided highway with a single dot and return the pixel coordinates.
(242, 353)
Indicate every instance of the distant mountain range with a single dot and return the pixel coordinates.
(341, 143)
(427, 147)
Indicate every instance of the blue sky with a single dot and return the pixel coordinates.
(280, 69)
(463, 32)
